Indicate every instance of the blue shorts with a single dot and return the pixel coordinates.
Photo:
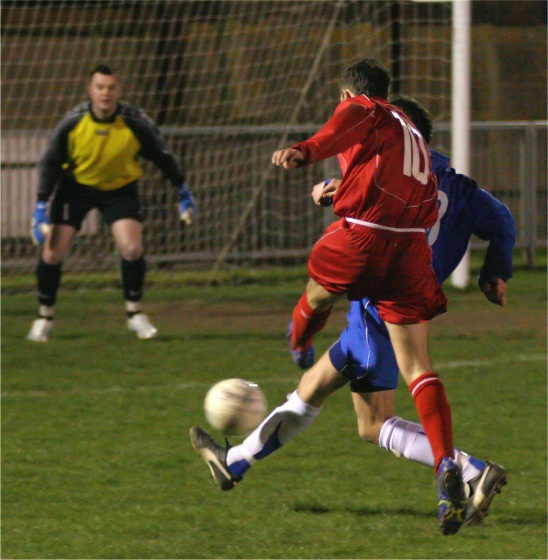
(364, 352)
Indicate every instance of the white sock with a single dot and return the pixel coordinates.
(133, 306)
(407, 439)
(46, 311)
(279, 427)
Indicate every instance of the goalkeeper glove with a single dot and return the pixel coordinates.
(187, 206)
(40, 224)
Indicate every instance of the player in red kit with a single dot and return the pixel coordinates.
(378, 249)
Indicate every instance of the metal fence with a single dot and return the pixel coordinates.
(249, 212)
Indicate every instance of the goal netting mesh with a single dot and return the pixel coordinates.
(227, 83)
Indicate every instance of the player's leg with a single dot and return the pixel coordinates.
(48, 276)
(228, 465)
(407, 439)
(366, 341)
(346, 261)
(309, 317)
(410, 343)
(331, 270)
(376, 424)
(69, 205)
(122, 212)
(372, 411)
(368, 353)
(128, 234)
(483, 480)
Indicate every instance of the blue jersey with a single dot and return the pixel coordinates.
(465, 209)
(364, 352)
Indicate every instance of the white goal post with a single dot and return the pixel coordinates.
(460, 111)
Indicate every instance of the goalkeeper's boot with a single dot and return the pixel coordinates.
(452, 498)
(303, 358)
(141, 325)
(481, 491)
(40, 329)
(215, 457)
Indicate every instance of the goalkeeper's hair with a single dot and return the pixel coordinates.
(102, 69)
(366, 76)
(418, 114)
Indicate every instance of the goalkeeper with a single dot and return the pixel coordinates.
(92, 161)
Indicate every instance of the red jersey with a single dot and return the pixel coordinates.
(385, 164)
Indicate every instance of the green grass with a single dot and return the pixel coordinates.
(96, 461)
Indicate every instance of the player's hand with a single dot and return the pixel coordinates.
(187, 206)
(288, 158)
(495, 290)
(40, 224)
(322, 193)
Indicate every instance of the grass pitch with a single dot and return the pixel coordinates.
(96, 461)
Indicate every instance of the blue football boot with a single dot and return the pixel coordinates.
(452, 499)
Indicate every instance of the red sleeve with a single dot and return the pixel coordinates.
(348, 126)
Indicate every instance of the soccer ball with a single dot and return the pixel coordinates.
(235, 406)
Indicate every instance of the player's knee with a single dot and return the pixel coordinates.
(132, 251)
(369, 432)
(319, 298)
(52, 257)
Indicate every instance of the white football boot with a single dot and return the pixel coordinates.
(482, 490)
(140, 324)
(40, 330)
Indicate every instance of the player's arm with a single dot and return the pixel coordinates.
(155, 149)
(493, 222)
(55, 157)
(347, 127)
(49, 172)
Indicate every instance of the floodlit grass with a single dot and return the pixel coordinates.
(96, 461)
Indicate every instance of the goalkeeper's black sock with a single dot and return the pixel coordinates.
(133, 278)
(49, 278)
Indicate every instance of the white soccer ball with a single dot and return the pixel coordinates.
(235, 406)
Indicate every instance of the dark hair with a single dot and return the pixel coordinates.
(102, 69)
(417, 113)
(366, 76)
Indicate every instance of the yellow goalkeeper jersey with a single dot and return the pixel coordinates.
(104, 154)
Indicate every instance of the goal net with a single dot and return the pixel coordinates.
(227, 82)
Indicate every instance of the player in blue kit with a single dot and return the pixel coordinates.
(363, 355)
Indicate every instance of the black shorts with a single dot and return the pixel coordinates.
(72, 201)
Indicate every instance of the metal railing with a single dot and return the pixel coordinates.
(224, 165)
(509, 160)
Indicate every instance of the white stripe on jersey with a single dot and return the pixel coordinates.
(377, 226)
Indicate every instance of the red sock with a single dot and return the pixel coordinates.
(435, 414)
(306, 323)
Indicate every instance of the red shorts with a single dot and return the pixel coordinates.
(392, 269)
